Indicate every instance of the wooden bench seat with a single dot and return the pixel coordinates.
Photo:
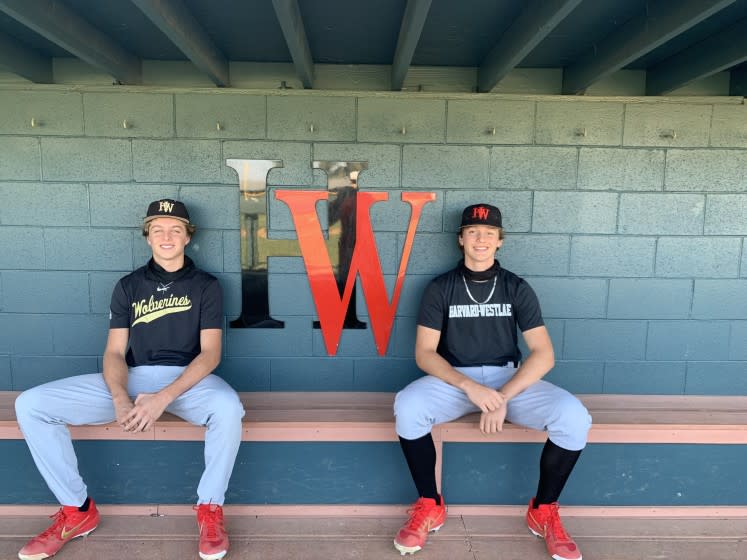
(318, 416)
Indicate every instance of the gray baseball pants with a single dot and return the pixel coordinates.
(542, 406)
(45, 411)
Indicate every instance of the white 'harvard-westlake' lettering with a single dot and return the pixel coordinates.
(480, 310)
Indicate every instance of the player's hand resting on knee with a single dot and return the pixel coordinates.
(492, 422)
(122, 409)
(484, 398)
(148, 408)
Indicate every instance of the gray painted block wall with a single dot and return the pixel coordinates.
(627, 216)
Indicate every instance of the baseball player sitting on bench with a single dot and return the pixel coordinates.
(467, 344)
(165, 336)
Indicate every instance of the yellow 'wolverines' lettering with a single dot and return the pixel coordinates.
(151, 309)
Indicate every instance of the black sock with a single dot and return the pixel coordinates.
(556, 465)
(85, 505)
(421, 459)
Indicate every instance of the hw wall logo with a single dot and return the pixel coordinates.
(332, 264)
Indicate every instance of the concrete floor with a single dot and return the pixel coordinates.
(363, 538)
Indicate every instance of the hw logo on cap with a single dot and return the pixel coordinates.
(481, 215)
(167, 208)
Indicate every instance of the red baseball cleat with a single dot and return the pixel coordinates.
(68, 523)
(213, 536)
(425, 516)
(544, 522)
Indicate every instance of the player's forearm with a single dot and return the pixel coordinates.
(199, 368)
(534, 368)
(434, 364)
(115, 376)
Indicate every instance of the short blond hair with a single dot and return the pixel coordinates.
(191, 228)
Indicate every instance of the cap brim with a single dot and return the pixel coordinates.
(478, 224)
(151, 218)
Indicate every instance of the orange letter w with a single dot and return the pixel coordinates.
(331, 306)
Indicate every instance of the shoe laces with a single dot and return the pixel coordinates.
(210, 519)
(555, 526)
(58, 520)
(418, 514)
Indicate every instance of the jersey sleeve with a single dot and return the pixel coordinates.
(119, 309)
(528, 313)
(431, 313)
(211, 312)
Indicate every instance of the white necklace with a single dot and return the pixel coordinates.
(469, 294)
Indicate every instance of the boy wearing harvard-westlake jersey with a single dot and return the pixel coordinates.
(165, 336)
(467, 342)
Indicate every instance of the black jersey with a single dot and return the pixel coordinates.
(482, 329)
(165, 312)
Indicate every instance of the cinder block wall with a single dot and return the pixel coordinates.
(628, 216)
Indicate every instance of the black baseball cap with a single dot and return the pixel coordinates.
(167, 208)
(481, 215)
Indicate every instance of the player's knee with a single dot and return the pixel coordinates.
(227, 406)
(28, 402)
(574, 421)
(407, 404)
(574, 413)
(568, 422)
(410, 416)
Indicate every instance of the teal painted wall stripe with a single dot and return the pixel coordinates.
(375, 473)
(606, 474)
(124, 472)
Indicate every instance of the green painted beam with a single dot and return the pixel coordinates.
(174, 19)
(715, 54)
(662, 21)
(289, 17)
(56, 22)
(24, 61)
(409, 35)
(533, 24)
(738, 81)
